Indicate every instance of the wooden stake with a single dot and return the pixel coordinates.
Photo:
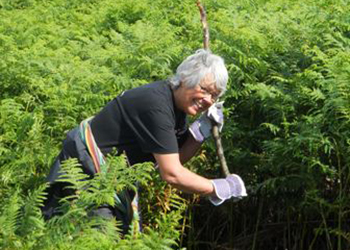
(205, 25)
(215, 129)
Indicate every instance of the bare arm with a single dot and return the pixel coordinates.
(189, 149)
(174, 173)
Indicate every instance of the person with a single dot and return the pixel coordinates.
(149, 123)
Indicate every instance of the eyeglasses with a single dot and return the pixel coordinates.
(205, 91)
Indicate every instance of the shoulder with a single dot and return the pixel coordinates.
(156, 95)
(158, 88)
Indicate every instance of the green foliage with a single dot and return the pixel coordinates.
(286, 130)
(23, 226)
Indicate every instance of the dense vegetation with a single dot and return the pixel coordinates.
(287, 130)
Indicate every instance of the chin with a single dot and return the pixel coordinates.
(192, 111)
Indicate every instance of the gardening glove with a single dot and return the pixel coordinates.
(201, 128)
(230, 187)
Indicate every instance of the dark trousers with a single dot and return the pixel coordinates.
(73, 147)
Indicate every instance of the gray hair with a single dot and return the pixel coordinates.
(197, 66)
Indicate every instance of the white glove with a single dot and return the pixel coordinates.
(232, 186)
(201, 128)
(215, 113)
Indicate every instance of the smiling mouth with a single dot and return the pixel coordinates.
(198, 105)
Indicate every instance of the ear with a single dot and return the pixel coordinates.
(182, 84)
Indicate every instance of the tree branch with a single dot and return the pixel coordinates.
(205, 25)
(215, 130)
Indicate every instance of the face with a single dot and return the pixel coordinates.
(198, 99)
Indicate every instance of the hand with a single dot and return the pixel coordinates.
(231, 186)
(216, 115)
(201, 128)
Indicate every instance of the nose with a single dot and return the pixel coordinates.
(208, 100)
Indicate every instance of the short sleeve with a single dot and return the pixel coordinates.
(155, 131)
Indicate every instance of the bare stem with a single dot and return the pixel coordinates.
(215, 130)
(205, 25)
(220, 150)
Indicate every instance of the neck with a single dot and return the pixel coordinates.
(177, 97)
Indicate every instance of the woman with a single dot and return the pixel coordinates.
(149, 123)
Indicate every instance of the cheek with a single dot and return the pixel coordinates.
(197, 96)
(190, 97)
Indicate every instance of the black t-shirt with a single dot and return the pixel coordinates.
(141, 121)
